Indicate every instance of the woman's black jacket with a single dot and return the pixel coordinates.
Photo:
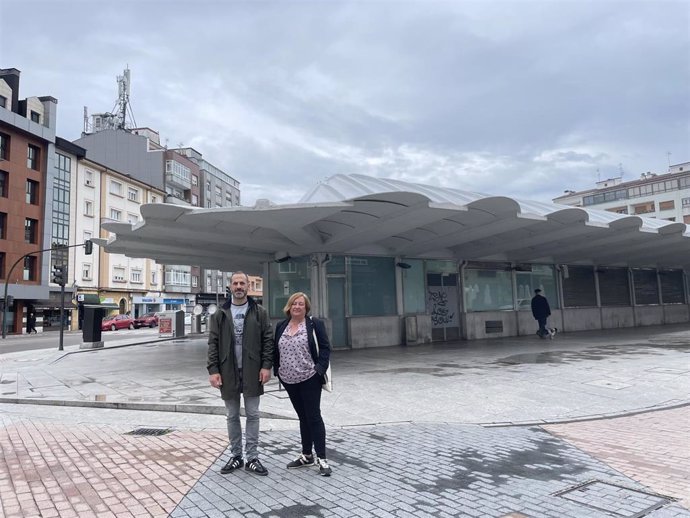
(313, 325)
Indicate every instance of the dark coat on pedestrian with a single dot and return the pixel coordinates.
(257, 349)
(313, 325)
(540, 307)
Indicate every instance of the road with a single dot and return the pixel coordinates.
(14, 343)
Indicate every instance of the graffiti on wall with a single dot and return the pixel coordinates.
(443, 305)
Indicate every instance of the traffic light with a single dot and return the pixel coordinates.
(88, 247)
(59, 274)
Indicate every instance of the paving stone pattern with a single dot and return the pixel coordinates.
(408, 470)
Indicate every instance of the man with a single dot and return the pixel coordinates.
(240, 359)
(541, 311)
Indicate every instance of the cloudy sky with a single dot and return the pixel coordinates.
(519, 98)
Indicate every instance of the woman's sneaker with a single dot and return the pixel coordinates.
(324, 468)
(301, 461)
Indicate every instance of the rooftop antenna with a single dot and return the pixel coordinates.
(668, 157)
(620, 169)
(598, 175)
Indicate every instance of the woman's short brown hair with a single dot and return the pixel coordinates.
(288, 304)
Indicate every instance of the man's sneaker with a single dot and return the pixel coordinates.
(301, 461)
(256, 467)
(232, 465)
(324, 468)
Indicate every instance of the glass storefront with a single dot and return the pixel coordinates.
(284, 279)
(413, 287)
(488, 289)
(530, 277)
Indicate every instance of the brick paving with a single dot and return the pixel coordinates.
(652, 448)
(64, 470)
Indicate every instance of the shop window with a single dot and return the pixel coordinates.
(487, 290)
(286, 278)
(371, 286)
(529, 278)
(578, 286)
(646, 287)
(413, 286)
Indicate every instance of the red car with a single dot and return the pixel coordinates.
(114, 322)
(147, 320)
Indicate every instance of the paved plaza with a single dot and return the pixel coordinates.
(588, 425)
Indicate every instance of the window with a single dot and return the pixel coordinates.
(532, 276)
(228, 199)
(643, 208)
(118, 274)
(154, 199)
(115, 188)
(154, 277)
(32, 192)
(174, 277)
(31, 230)
(133, 194)
(195, 180)
(672, 286)
(30, 268)
(686, 219)
(488, 289)
(35, 117)
(136, 276)
(684, 182)
(3, 101)
(2, 265)
(87, 235)
(88, 208)
(32, 157)
(115, 214)
(195, 200)
(4, 146)
(3, 225)
(4, 181)
(132, 218)
(372, 286)
(414, 300)
(667, 205)
(209, 282)
(195, 281)
(88, 178)
(86, 271)
(685, 202)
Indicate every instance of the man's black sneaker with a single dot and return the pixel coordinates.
(301, 461)
(324, 468)
(232, 465)
(256, 467)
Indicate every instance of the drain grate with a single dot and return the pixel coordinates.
(150, 431)
(614, 499)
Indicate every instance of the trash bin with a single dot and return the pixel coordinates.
(196, 324)
(91, 326)
(171, 324)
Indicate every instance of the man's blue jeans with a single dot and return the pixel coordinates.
(542, 326)
(251, 411)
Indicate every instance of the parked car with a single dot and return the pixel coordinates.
(114, 322)
(146, 320)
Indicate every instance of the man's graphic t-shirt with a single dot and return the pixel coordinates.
(238, 314)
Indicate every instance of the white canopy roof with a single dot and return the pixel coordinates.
(357, 214)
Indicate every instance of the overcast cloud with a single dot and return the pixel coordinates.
(518, 98)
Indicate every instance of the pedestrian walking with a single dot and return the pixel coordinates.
(541, 311)
(240, 358)
(302, 352)
(31, 323)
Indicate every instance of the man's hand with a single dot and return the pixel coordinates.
(215, 380)
(264, 376)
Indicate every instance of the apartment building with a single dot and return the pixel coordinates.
(664, 196)
(132, 284)
(27, 175)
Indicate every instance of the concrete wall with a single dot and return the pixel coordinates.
(649, 315)
(374, 331)
(416, 329)
(618, 316)
(527, 325)
(580, 319)
(675, 313)
(474, 324)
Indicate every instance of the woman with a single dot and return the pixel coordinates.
(300, 369)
